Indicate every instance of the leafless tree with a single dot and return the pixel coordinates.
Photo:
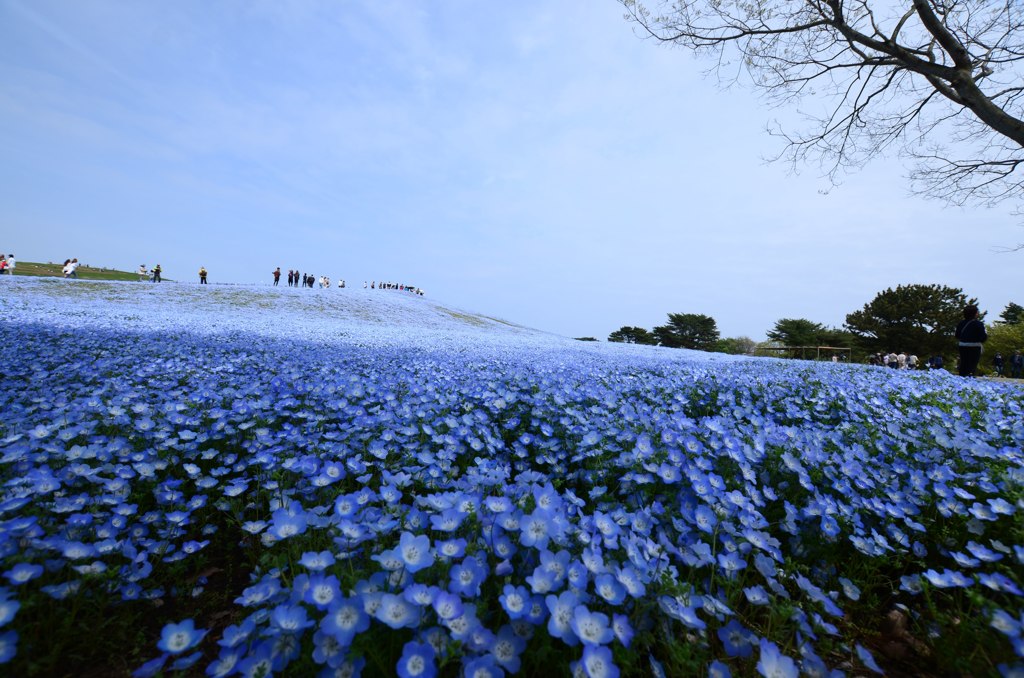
(939, 81)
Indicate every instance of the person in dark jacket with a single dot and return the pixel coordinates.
(970, 334)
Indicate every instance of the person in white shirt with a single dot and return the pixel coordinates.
(10, 264)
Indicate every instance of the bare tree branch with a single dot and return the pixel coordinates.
(939, 81)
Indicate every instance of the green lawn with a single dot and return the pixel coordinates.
(84, 272)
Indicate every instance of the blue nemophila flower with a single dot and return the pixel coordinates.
(225, 663)
(999, 582)
(8, 646)
(865, 657)
(8, 607)
(150, 668)
(774, 664)
(175, 638)
(591, 627)
(451, 548)
(447, 605)
(506, 648)
(420, 594)
(737, 640)
(483, 667)
(562, 609)
(417, 661)
(597, 662)
(467, 577)
(345, 619)
(731, 563)
(947, 579)
(1005, 623)
(322, 590)
(542, 581)
(286, 524)
(849, 589)
(537, 528)
(677, 609)
(184, 663)
(514, 600)
(608, 588)
(623, 629)
(259, 663)
(289, 619)
(415, 551)
(397, 612)
(983, 553)
(235, 635)
(448, 520)
(317, 561)
(717, 669)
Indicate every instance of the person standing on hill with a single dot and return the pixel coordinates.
(970, 334)
(277, 276)
(997, 362)
(10, 264)
(202, 275)
(156, 273)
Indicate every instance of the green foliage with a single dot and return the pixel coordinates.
(688, 330)
(632, 335)
(1013, 314)
(32, 268)
(919, 319)
(1003, 339)
(735, 345)
(796, 332)
(586, 338)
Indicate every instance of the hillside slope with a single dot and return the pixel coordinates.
(306, 314)
(50, 270)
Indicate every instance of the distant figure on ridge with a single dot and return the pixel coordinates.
(143, 273)
(202, 275)
(970, 334)
(156, 273)
(277, 276)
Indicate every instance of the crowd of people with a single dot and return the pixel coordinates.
(7, 264)
(971, 335)
(900, 361)
(299, 279)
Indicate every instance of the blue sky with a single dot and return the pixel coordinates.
(534, 161)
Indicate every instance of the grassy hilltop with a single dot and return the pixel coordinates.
(34, 268)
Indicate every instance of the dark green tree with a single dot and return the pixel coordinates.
(916, 318)
(688, 330)
(797, 332)
(632, 335)
(735, 346)
(1012, 314)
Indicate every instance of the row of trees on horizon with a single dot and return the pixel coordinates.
(917, 319)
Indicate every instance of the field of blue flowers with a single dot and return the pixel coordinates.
(241, 481)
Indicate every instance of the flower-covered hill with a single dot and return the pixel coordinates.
(283, 312)
(251, 482)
